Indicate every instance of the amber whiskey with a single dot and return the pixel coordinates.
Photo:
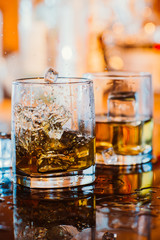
(125, 137)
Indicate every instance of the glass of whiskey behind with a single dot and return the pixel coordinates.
(53, 132)
(124, 124)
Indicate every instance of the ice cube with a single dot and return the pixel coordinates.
(109, 156)
(51, 76)
(122, 105)
(69, 138)
(51, 162)
(59, 117)
(56, 122)
(82, 151)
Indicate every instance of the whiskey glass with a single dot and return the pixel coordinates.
(53, 132)
(124, 118)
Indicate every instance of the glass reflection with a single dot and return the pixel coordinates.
(54, 214)
(123, 198)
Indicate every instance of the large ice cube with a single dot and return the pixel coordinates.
(122, 104)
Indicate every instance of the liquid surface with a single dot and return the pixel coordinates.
(126, 137)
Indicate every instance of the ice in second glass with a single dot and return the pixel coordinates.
(53, 127)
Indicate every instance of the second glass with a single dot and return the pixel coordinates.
(53, 132)
(124, 124)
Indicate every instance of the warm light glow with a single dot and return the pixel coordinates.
(66, 52)
(118, 28)
(10, 12)
(149, 28)
(147, 12)
(157, 35)
(116, 62)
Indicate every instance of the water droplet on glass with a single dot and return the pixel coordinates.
(4, 228)
(51, 76)
(109, 236)
(11, 207)
(2, 199)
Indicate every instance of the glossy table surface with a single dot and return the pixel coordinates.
(123, 203)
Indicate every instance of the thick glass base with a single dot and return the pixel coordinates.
(108, 157)
(58, 180)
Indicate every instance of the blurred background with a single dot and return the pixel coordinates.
(75, 37)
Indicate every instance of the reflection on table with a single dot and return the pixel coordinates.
(53, 215)
(124, 202)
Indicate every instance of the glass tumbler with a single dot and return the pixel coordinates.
(124, 123)
(53, 132)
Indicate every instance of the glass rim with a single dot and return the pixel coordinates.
(40, 81)
(118, 74)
